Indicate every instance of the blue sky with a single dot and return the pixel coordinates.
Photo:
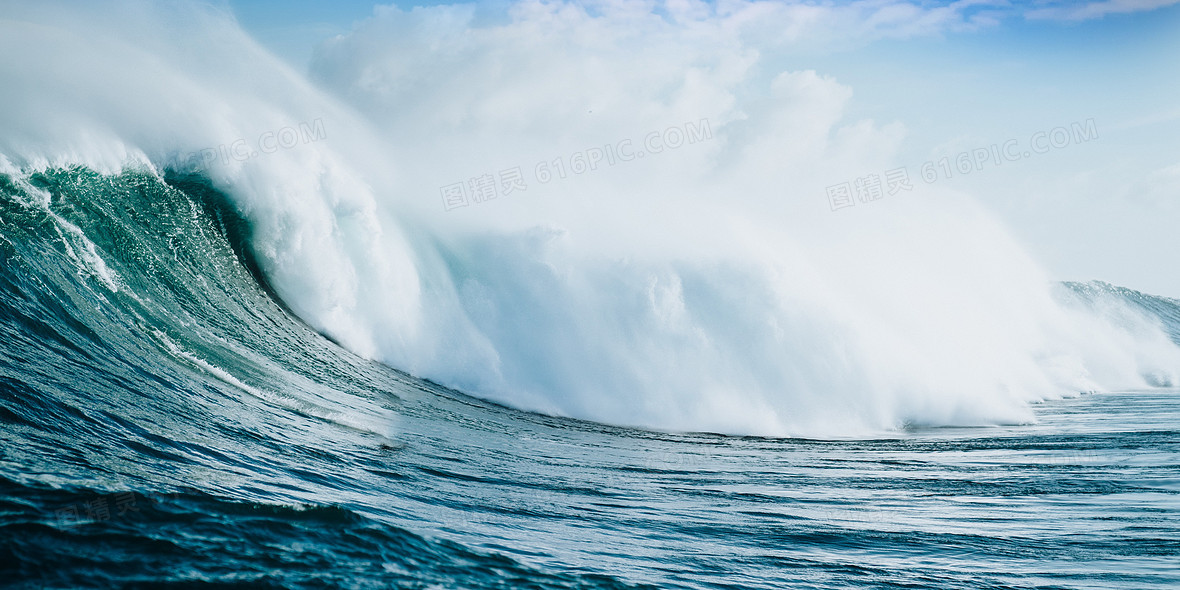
(293, 27)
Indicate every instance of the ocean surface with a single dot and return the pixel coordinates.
(166, 421)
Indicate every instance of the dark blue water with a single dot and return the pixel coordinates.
(165, 421)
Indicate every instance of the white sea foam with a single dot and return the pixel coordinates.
(706, 287)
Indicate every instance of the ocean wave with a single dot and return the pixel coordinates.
(684, 292)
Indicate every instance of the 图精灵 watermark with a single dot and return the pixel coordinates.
(876, 186)
(515, 179)
(102, 508)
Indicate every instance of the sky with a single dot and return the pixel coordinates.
(1104, 208)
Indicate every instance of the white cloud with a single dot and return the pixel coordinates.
(1074, 11)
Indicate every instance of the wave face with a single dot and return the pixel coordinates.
(160, 406)
(689, 291)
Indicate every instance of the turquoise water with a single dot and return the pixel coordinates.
(167, 421)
